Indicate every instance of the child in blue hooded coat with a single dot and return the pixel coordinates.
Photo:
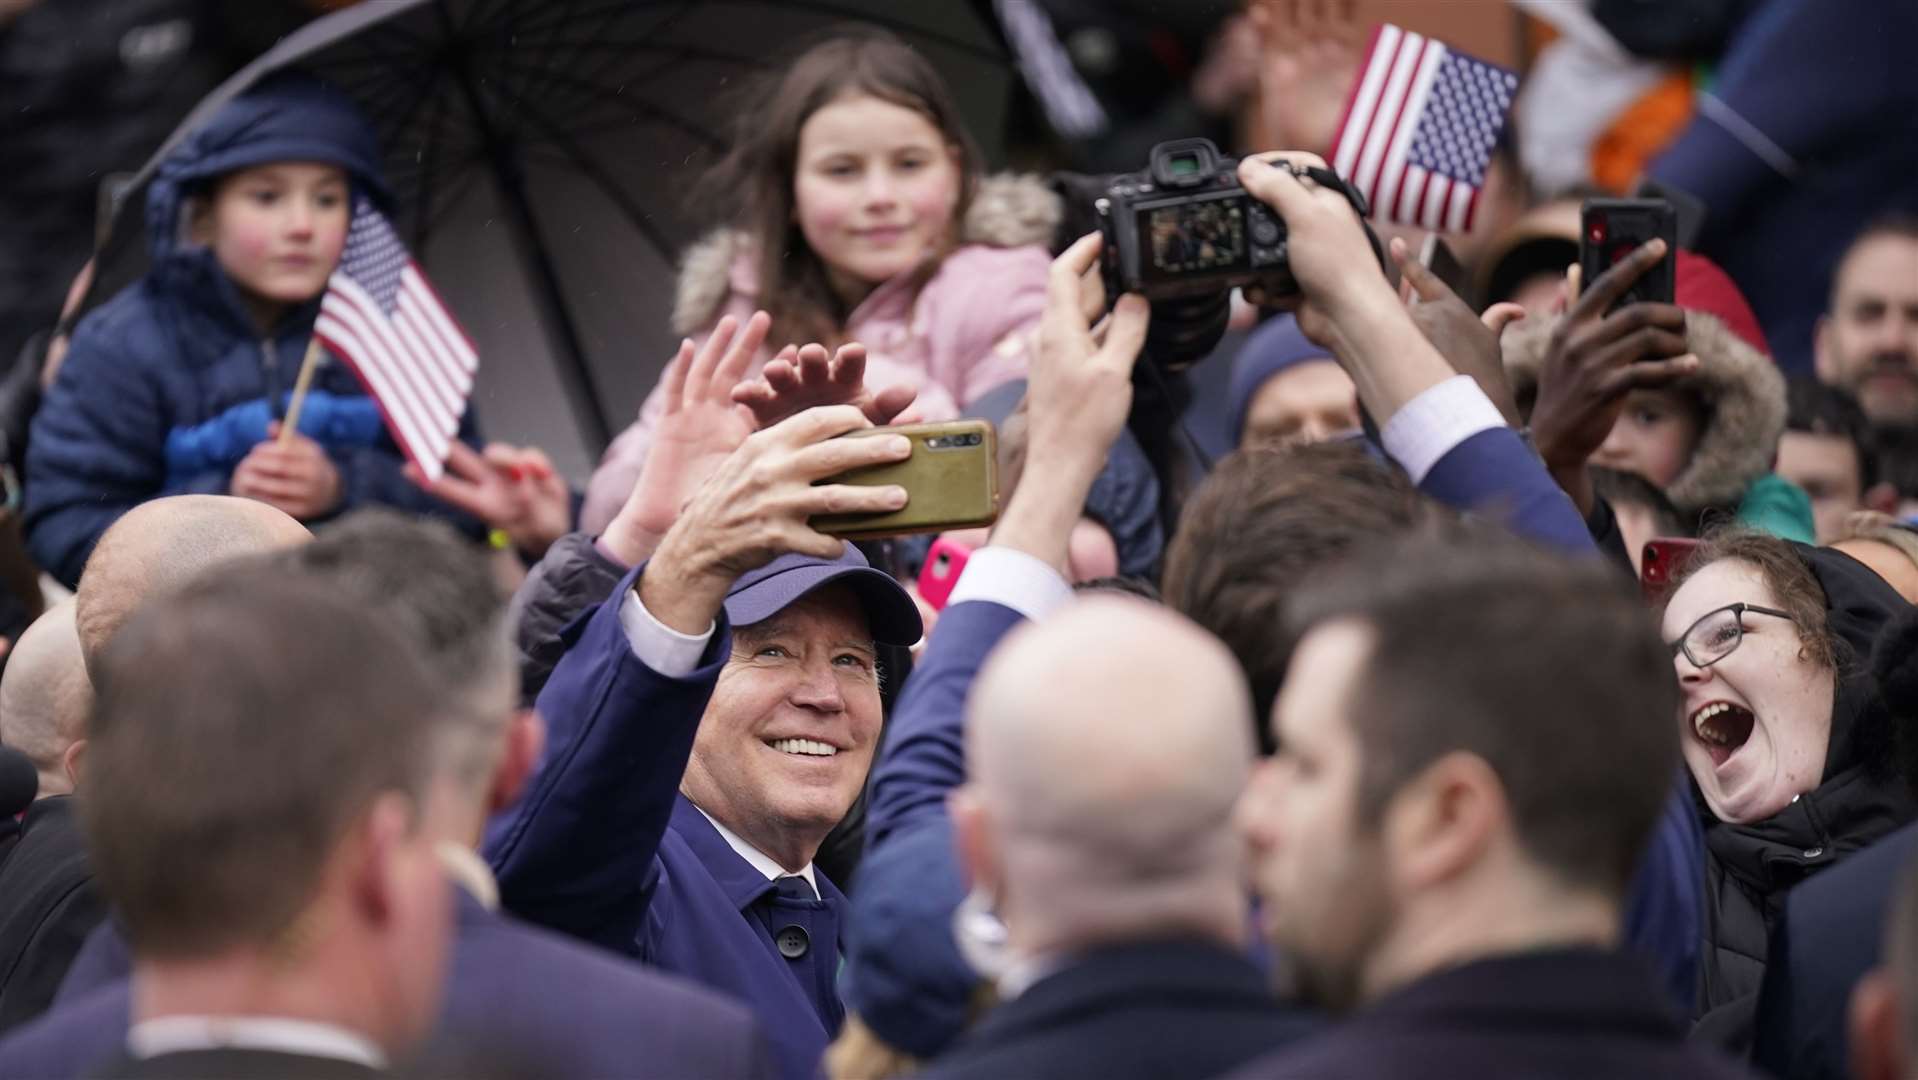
(175, 386)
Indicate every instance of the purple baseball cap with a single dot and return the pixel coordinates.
(772, 588)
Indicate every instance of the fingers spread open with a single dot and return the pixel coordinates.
(740, 356)
(701, 374)
(675, 385)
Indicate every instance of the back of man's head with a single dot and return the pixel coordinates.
(239, 733)
(1106, 747)
(159, 546)
(1265, 522)
(1549, 671)
(435, 589)
(45, 697)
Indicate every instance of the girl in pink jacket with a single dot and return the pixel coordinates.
(863, 217)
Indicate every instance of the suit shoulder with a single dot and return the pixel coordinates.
(540, 958)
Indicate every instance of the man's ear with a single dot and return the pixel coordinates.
(525, 743)
(1441, 824)
(1878, 1049)
(1881, 497)
(972, 836)
(374, 856)
(1824, 360)
(70, 761)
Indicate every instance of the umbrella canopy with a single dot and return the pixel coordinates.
(544, 156)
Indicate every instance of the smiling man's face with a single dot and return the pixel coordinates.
(789, 734)
(1756, 724)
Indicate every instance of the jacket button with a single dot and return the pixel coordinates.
(793, 942)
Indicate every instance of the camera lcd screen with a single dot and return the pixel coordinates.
(1193, 237)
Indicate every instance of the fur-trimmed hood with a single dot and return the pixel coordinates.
(1008, 210)
(1742, 393)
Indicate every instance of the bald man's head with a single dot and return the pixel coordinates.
(1106, 748)
(158, 546)
(45, 697)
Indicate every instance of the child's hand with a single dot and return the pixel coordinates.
(297, 478)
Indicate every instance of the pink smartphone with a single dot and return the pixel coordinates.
(945, 561)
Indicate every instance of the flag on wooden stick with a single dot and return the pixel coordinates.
(384, 320)
(1419, 129)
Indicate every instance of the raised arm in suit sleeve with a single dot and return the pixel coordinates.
(1456, 447)
(924, 755)
(577, 853)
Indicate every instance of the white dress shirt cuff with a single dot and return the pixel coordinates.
(1013, 578)
(658, 646)
(1434, 423)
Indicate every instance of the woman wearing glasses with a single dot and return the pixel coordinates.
(1785, 735)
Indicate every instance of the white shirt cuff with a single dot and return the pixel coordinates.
(1434, 423)
(658, 646)
(1008, 576)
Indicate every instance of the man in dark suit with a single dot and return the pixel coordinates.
(48, 902)
(711, 722)
(525, 996)
(258, 822)
(1474, 739)
(1102, 842)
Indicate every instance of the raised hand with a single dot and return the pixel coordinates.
(1594, 360)
(1078, 392)
(803, 377)
(511, 488)
(1468, 342)
(698, 427)
(297, 478)
(755, 507)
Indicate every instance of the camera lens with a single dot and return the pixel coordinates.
(1184, 330)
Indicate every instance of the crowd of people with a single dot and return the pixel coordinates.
(1530, 688)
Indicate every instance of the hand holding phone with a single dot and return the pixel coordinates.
(951, 481)
(1610, 230)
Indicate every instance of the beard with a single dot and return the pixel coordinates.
(1323, 958)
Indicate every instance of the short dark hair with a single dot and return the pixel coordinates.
(438, 591)
(1266, 521)
(1816, 408)
(240, 729)
(1549, 669)
(1896, 449)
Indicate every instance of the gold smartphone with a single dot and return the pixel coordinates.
(951, 482)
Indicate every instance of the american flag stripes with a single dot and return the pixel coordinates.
(381, 316)
(1419, 130)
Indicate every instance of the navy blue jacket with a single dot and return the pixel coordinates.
(168, 385)
(1570, 1014)
(1830, 932)
(603, 846)
(519, 1000)
(1809, 131)
(1157, 1010)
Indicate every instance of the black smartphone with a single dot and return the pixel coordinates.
(1437, 256)
(1611, 229)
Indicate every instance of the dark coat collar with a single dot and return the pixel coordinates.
(1571, 988)
(1185, 973)
(742, 883)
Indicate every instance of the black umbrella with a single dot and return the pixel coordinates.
(543, 154)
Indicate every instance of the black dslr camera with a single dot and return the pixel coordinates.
(1185, 228)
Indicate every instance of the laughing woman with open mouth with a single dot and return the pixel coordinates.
(1786, 737)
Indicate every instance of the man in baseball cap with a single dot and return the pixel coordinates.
(709, 724)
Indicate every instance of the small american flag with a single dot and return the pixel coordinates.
(381, 316)
(1419, 130)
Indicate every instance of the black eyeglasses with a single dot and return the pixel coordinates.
(1716, 634)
